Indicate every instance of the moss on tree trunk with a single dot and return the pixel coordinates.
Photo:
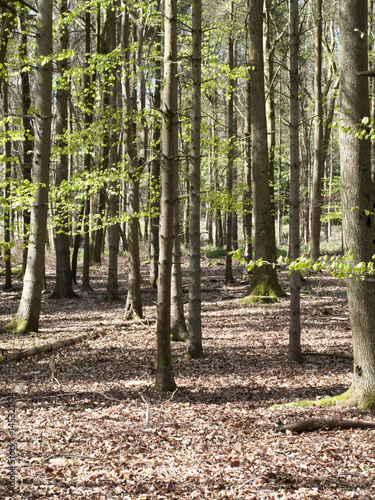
(265, 287)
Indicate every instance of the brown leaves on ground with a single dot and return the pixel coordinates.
(89, 426)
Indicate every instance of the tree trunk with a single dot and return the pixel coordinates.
(358, 198)
(28, 143)
(194, 348)
(155, 177)
(178, 324)
(63, 285)
(294, 350)
(87, 158)
(228, 260)
(28, 313)
(264, 286)
(113, 203)
(8, 177)
(164, 380)
(247, 196)
(133, 305)
(316, 204)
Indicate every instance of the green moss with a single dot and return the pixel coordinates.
(165, 363)
(16, 325)
(336, 400)
(260, 295)
(264, 288)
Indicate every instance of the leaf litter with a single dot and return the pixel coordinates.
(89, 425)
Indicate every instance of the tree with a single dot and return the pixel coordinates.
(358, 197)
(63, 285)
(194, 348)
(113, 203)
(316, 202)
(27, 316)
(294, 351)
(264, 285)
(133, 301)
(230, 168)
(88, 116)
(164, 380)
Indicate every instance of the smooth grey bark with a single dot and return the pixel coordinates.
(133, 305)
(194, 347)
(317, 199)
(264, 285)
(113, 201)
(155, 174)
(294, 348)
(28, 313)
(247, 196)
(358, 197)
(164, 379)
(230, 165)
(63, 284)
(269, 64)
(88, 100)
(8, 177)
(28, 143)
(178, 324)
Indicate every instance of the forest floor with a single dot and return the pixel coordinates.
(89, 426)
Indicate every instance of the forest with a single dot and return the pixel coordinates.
(187, 244)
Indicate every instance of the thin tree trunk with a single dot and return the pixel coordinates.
(229, 236)
(8, 178)
(133, 305)
(113, 204)
(247, 202)
(28, 313)
(316, 204)
(87, 158)
(178, 324)
(194, 348)
(28, 143)
(63, 285)
(294, 349)
(164, 380)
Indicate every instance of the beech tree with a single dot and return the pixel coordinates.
(194, 349)
(264, 285)
(164, 371)
(316, 202)
(358, 197)
(294, 351)
(63, 285)
(27, 316)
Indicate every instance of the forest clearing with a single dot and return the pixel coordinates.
(89, 425)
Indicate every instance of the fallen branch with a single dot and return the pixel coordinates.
(33, 351)
(315, 424)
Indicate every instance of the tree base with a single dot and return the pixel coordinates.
(264, 287)
(19, 326)
(164, 380)
(179, 333)
(69, 295)
(112, 297)
(194, 352)
(351, 398)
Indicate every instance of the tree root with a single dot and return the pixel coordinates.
(316, 424)
(33, 351)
